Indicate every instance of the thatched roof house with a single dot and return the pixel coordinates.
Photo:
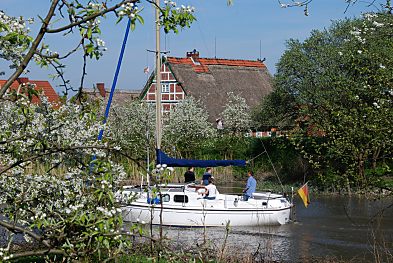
(210, 80)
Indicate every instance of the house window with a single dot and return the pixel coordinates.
(165, 88)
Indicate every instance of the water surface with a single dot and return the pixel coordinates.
(347, 228)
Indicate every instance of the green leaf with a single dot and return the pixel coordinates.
(89, 48)
(119, 19)
(140, 19)
(89, 32)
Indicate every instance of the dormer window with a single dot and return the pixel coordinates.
(165, 88)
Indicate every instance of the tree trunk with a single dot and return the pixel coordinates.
(348, 186)
(376, 153)
(361, 169)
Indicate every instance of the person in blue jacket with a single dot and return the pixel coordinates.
(250, 186)
(206, 176)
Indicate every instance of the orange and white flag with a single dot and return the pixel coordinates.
(303, 193)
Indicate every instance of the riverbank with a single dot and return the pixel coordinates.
(370, 191)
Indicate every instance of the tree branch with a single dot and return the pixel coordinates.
(14, 228)
(56, 150)
(79, 96)
(61, 75)
(32, 50)
(91, 17)
(38, 253)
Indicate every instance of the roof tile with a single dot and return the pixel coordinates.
(215, 61)
(203, 63)
(42, 86)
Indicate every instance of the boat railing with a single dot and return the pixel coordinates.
(184, 196)
(268, 198)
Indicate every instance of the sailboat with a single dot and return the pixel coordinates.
(183, 205)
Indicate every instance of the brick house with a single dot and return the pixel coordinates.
(42, 86)
(209, 80)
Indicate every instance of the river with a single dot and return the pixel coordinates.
(345, 228)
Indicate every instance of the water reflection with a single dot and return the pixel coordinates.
(337, 227)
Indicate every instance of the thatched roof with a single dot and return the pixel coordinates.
(212, 79)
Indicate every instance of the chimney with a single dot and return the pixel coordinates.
(22, 80)
(193, 54)
(101, 89)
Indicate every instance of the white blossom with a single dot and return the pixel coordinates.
(187, 124)
(236, 115)
(375, 23)
(42, 200)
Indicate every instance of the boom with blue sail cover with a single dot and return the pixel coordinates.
(162, 158)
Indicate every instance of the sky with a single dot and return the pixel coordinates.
(249, 29)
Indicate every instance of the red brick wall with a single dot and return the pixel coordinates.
(168, 99)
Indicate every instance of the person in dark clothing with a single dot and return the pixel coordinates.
(206, 176)
(189, 176)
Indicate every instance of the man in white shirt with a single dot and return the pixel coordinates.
(211, 190)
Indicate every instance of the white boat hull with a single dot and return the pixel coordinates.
(202, 212)
(197, 218)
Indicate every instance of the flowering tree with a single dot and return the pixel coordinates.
(132, 127)
(49, 191)
(236, 120)
(75, 16)
(339, 84)
(236, 115)
(187, 126)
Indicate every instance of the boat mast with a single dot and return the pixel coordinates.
(158, 78)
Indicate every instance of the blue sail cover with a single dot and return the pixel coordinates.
(162, 158)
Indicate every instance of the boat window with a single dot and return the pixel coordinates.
(180, 198)
(166, 198)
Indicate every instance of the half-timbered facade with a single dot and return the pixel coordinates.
(171, 90)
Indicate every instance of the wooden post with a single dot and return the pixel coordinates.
(158, 78)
